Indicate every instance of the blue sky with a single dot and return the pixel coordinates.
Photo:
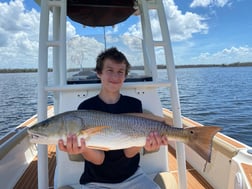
(202, 32)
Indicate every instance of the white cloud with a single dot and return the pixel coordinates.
(71, 32)
(135, 30)
(113, 29)
(182, 26)
(187, 53)
(200, 3)
(132, 38)
(82, 52)
(211, 3)
(19, 35)
(225, 56)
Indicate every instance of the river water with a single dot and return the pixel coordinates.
(220, 96)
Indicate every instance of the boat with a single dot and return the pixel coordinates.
(30, 166)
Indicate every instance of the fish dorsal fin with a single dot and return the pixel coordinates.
(147, 116)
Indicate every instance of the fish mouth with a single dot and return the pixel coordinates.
(38, 139)
(36, 136)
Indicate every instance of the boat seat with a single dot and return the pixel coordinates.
(68, 172)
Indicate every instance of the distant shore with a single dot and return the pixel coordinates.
(236, 64)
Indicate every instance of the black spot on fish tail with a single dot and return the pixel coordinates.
(200, 140)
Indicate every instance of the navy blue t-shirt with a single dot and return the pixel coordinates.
(116, 166)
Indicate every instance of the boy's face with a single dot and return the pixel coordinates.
(113, 75)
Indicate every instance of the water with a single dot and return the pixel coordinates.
(220, 96)
(17, 99)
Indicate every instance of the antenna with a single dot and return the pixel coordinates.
(104, 35)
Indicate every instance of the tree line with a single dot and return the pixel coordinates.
(236, 64)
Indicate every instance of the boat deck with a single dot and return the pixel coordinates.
(30, 178)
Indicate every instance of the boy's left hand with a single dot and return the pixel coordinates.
(154, 141)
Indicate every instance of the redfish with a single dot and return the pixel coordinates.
(107, 131)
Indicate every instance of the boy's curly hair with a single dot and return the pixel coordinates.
(113, 54)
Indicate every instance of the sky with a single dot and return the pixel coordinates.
(202, 32)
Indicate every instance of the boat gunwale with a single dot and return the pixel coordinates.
(13, 138)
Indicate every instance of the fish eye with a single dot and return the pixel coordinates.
(191, 132)
(35, 136)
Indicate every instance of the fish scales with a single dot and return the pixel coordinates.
(131, 125)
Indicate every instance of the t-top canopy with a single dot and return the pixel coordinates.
(100, 12)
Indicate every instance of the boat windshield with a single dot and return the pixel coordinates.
(83, 50)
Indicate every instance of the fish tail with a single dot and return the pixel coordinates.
(200, 140)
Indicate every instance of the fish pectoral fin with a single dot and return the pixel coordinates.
(98, 148)
(93, 131)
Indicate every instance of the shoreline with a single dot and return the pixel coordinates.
(237, 64)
